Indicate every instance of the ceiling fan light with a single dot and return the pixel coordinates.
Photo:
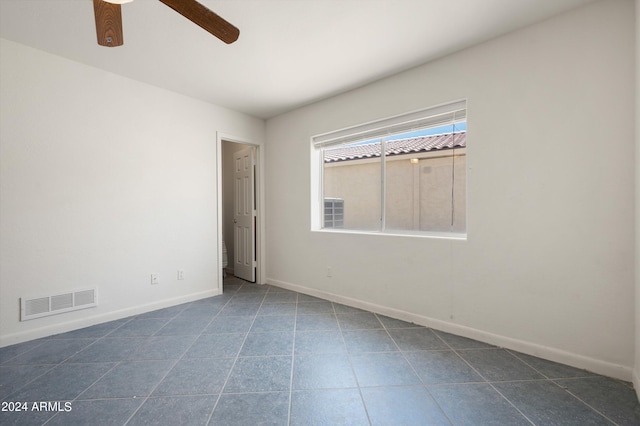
(118, 1)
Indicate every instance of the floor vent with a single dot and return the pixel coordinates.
(57, 304)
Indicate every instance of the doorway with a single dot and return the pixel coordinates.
(240, 190)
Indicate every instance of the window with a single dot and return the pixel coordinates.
(401, 175)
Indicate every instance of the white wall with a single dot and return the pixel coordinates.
(548, 264)
(103, 181)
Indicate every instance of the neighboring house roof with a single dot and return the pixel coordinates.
(397, 147)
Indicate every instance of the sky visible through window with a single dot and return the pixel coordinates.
(458, 127)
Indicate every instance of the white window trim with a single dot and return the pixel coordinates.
(402, 123)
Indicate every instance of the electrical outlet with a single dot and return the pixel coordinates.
(329, 271)
(155, 278)
(180, 274)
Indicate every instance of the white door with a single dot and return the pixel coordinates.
(244, 215)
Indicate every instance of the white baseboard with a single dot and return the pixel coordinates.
(552, 354)
(50, 330)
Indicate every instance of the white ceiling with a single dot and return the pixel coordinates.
(290, 52)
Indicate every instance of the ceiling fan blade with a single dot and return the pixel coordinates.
(205, 18)
(108, 23)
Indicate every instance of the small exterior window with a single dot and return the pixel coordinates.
(403, 175)
(333, 213)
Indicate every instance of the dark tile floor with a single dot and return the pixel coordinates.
(260, 355)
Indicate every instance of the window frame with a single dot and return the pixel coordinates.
(447, 113)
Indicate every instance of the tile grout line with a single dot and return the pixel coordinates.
(553, 380)
(94, 362)
(235, 360)
(56, 365)
(176, 361)
(219, 394)
(353, 370)
(74, 354)
(6, 361)
(183, 355)
(487, 381)
(52, 338)
(146, 398)
(293, 360)
(424, 385)
(215, 405)
(583, 401)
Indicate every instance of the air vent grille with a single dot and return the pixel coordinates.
(61, 302)
(35, 306)
(43, 306)
(85, 297)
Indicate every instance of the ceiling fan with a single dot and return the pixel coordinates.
(109, 20)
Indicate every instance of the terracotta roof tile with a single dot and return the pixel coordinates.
(397, 147)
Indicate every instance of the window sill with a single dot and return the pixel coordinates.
(397, 233)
